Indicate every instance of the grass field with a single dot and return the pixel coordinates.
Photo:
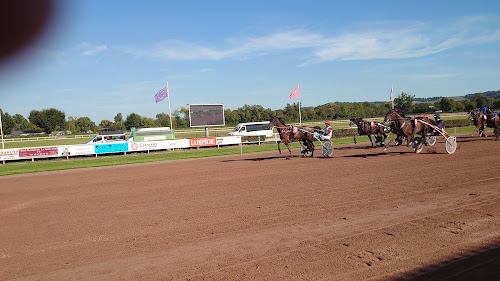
(55, 164)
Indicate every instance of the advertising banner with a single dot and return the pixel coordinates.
(9, 154)
(202, 142)
(173, 144)
(38, 152)
(142, 146)
(111, 148)
(229, 140)
(74, 150)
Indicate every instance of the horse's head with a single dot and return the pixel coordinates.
(392, 115)
(355, 121)
(473, 114)
(275, 122)
(272, 123)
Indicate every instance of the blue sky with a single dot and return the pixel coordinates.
(100, 58)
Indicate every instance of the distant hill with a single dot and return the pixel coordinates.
(490, 94)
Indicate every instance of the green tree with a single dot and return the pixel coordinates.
(84, 125)
(421, 107)
(48, 119)
(162, 120)
(147, 122)
(22, 123)
(119, 124)
(71, 123)
(481, 99)
(118, 118)
(8, 123)
(447, 105)
(133, 120)
(404, 102)
(291, 112)
(181, 118)
(106, 124)
(496, 104)
(469, 105)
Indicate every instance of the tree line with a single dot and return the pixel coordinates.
(50, 120)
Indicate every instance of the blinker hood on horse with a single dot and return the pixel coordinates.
(406, 128)
(289, 134)
(370, 128)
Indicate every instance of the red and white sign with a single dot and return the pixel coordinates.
(9, 154)
(136, 146)
(202, 142)
(38, 152)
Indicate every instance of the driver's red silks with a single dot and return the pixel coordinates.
(416, 122)
(372, 124)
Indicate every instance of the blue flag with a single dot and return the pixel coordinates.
(163, 93)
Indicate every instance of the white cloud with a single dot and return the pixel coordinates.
(407, 40)
(89, 50)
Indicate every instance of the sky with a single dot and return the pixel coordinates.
(99, 58)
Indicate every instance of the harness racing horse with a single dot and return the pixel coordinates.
(407, 128)
(370, 128)
(492, 121)
(289, 134)
(475, 116)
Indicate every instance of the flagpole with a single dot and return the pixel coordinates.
(300, 115)
(392, 98)
(1, 129)
(170, 112)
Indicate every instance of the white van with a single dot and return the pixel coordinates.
(111, 138)
(252, 129)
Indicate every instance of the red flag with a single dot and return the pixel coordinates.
(295, 93)
(390, 98)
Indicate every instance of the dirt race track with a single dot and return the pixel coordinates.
(363, 214)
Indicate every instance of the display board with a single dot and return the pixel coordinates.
(206, 115)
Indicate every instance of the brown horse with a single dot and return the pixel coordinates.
(407, 127)
(490, 120)
(289, 134)
(475, 116)
(370, 128)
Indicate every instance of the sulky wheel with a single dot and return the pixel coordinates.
(451, 145)
(417, 145)
(327, 149)
(431, 140)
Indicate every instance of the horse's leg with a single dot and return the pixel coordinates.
(279, 148)
(289, 150)
(378, 139)
(370, 138)
(312, 148)
(424, 134)
(355, 138)
(476, 128)
(393, 137)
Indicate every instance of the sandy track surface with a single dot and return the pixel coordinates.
(365, 213)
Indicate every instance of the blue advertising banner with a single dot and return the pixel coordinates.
(111, 148)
